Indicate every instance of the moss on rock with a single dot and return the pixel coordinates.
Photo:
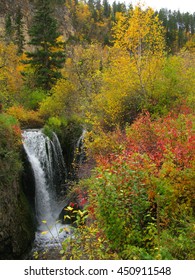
(16, 227)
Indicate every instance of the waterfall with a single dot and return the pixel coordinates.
(80, 149)
(45, 157)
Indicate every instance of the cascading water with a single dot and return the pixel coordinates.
(80, 148)
(45, 157)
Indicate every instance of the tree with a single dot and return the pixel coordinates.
(19, 31)
(136, 61)
(10, 77)
(8, 29)
(47, 56)
(107, 8)
(142, 35)
(179, 28)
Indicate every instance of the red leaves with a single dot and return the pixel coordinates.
(16, 130)
(82, 197)
(148, 183)
(159, 138)
(171, 136)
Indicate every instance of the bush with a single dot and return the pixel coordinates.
(26, 118)
(142, 194)
(10, 143)
(31, 99)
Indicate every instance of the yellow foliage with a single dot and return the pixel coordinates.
(27, 118)
(60, 102)
(136, 60)
(140, 33)
(83, 12)
(60, 40)
(10, 77)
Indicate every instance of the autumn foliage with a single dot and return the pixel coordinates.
(27, 118)
(135, 99)
(10, 145)
(143, 195)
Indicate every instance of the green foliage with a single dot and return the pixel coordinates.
(32, 98)
(48, 56)
(8, 28)
(87, 246)
(141, 195)
(19, 36)
(86, 243)
(61, 102)
(10, 142)
(8, 120)
(177, 25)
(69, 128)
(54, 124)
(171, 87)
(180, 247)
(123, 207)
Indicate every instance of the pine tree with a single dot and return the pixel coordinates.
(19, 36)
(107, 8)
(48, 54)
(8, 29)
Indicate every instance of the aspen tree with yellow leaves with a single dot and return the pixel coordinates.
(141, 34)
(137, 59)
(10, 77)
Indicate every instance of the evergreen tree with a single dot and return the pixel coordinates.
(114, 10)
(99, 11)
(107, 8)
(92, 8)
(48, 55)
(19, 36)
(8, 29)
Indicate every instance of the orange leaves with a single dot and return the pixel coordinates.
(17, 132)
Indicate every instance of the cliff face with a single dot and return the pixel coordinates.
(16, 218)
(16, 227)
(10, 7)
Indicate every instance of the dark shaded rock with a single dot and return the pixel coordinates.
(16, 218)
(28, 180)
(17, 226)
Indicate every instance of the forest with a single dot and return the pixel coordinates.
(125, 76)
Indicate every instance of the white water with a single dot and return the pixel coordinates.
(45, 157)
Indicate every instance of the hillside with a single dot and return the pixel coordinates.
(116, 86)
(27, 9)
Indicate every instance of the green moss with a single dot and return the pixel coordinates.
(68, 130)
(26, 217)
(16, 228)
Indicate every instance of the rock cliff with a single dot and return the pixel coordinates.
(16, 215)
(61, 12)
